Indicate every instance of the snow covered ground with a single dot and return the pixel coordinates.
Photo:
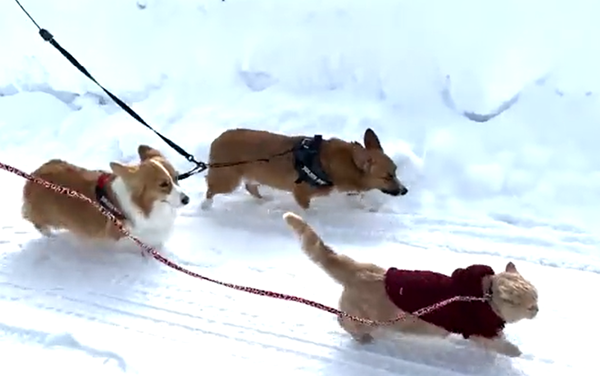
(523, 186)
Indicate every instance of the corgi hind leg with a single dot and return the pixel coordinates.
(38, 223)
(252, 188)
(44, 230)
(220, 181)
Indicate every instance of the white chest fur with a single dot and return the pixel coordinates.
(153, 229)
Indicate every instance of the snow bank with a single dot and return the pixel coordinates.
(395, 50)
(408, 69)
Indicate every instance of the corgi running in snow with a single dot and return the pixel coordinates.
(307, 167)
(145, 197)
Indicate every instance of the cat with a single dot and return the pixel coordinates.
(374, 293)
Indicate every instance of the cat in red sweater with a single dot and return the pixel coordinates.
(375, 293)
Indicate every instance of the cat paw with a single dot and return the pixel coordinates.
(509, 349)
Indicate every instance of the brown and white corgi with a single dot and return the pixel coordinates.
(306, 166)
(145, 197)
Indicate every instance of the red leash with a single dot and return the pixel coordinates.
(271, 294)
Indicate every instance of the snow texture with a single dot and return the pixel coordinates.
(490, 109)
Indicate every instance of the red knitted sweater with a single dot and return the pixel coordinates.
(411, 290)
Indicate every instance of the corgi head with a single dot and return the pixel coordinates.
(153, 180)
(379, 170)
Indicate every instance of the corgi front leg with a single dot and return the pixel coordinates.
(112, 232)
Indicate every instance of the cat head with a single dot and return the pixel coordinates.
(514, 297)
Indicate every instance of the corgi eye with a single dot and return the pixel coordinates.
(164, 184)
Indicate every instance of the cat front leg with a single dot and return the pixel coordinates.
(499, 344)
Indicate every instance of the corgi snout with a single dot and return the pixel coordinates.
(178, 198)
(398, 190)
(185, 199)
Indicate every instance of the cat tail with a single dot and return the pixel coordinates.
(341, 268)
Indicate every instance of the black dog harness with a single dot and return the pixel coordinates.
(307, 162)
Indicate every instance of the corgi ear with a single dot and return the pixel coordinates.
(147, 152)
(511, 268)
(362, 159)
(121, 170)
(371, 140)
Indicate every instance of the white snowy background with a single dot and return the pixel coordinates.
(491, 110)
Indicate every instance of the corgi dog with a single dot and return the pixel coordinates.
(379, 294)
(305, 166)
(145, 197)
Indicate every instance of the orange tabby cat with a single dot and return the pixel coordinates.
(375, 293)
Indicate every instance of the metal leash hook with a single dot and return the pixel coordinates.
(200, 167)
(251, 290)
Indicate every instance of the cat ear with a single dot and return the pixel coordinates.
(511, 268)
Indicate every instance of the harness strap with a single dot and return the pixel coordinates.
(102, 196)
(307, 162)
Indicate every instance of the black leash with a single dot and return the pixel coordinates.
(200, 166)
(45, 34)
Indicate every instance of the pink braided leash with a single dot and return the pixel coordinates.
(251, 290)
